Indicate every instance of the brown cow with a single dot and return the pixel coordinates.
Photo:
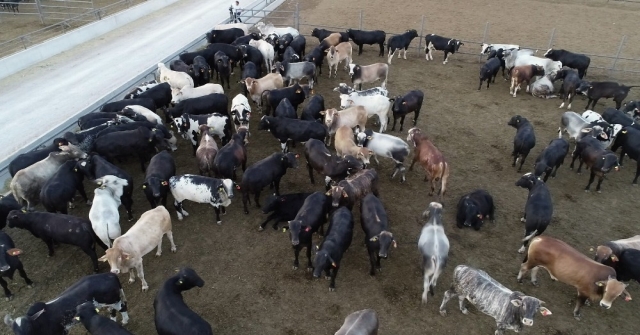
(332, 40)
(434, 164)
(345, 145)
(592, 280)
(206, 152)
(338, 53)
(349, 191)
(523, 73)
(256, 87)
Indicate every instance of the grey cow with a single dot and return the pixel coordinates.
(511, 310)
(296, 72)
(434, 247)
(363, 322)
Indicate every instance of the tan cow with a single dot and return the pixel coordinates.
(337, 54)
(128, 249)
(593, 280)
(255, 87)
(613, 249)
(435, 165)
(351, 117)
(345, 145)
(332, 40)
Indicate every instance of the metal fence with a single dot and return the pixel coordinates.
(48, 10)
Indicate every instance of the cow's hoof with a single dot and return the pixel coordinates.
(89, 202)
(260, 228)
(332, 289)
(535, 283)
(145, 288)
(309, 268)
(295, 267)
(587, 191)
(327, 277)
(443, 313)
(31, 285)
(522, 219)
(246, 212)
(130, 219)
(219, 223)
(521, 250)
(158, 254)
(174, 249)
(180, 218)
(131, 281)
(72, 206)
(577, 316)
(9, 298)
(465, 311)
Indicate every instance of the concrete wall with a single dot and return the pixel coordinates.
(26, 58)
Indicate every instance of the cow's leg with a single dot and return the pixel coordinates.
(269, 218)
(523, 157)
(7, 292)
(390, 56)
(309, 264)
(49, 243)
(524, 268)
(579, 302)
(446, 57)
(359, 49)
(257, 197)
(635, 180)
(592, 176)
(132, 276)
(393, 128)
(217, 210)
(588, 103)
(405, 53)
(332, 284)
(448, 294)
(402, 122)
(170, 237)
(127, 202)
(600, 179)
(140, 272)
(296, 253)
(80, 189)
(415, 159)
(534, 275)
(372, 261)
(381, 50)
(180, 212)
(570, 100)
(277, 186)
(245, 199)
(159, 250)
(310, 173)
(23, 274)
(91, 251)
(515, 157)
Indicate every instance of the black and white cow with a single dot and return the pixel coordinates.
(265, 172)
(336, 242)
(346, 89)
(56, 316)
(375, 224)
(96, 324)
(141, 88)
(436, 42)
(289, 56)
(362, 37)
(240, 111)
(161, 167)
(282, 208)
(538, 210)
(576, 61)
(434, 248)
(511, 310)
(285, 129)
(385, 145)
(204, 190)
(9, 263)
(188, 126)
(474, 208)
(251, 54)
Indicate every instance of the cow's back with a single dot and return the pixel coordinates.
(145, 234)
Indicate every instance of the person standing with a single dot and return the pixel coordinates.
(236, 11)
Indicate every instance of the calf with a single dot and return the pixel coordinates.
(599, 161)
(435, 166)
(205, 190)
(189, 127)
(474, 208)
(282, 208)
(29, 158)
(27, 183)
(377, 105)
(435, 42)
(631, 108)
(310, 218)
(289, 56)
(56, 316)
(349, 191)
(232, 155)
(296, 72)
(201, 71)
(180, 66)
(434, 247)
(250, 70)
(127, 250)
(574, 124)
(337, 54)
(362, 37)
(311, 111)
(613, 249)
(224, 36)
(316, 56)
(368, 74)
(552, 156)
(267, 171)
(172, 315)
(58, 192)
(335, 168)
(538, 210)
(233, 52)
(222, 68)
(523, 141)
(283, 43)
(240, 111)
(96, 324)
(489, 71)
(570, 83)
(187, 93)
(521, 74)
(386, 146)
(593, 280)
(285, 129)
(511, 310)
(549, 65)
(144, 113)
(346, 145)
(579, 62)
(336, 242)
(334, 39)
(375, 224)
(400, 42)
(614, 116)
(267, 51)
(225, 26)
(116, 106)
(403, 105)
(206, 152)
(364, 322)
(499, 54)
(350, 117)
(603, 89)
(629, 140)
(156, 182)
(104, 216)
(139, 142)
(626, 265)
(9, 263)
(285, 109)
(256, 87)
(176, 79)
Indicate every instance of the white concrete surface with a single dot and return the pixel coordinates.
(28, 57)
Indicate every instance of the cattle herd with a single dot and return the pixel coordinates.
(273, 63)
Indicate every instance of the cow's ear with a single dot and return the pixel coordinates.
(14, 252)
(328, 193)
(103, 258)
(545, 311)
(369, 138)
(404, 102)
(614, 258)
(144, 186)
(516, 302)
(323, 113)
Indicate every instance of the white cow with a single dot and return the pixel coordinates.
(374, 105)
(176, 79)
(240, 111)
(543, 87)
(591, 116)
(434, 247)
(269, 28)
(550, 66)
(487, 48)
(127, 250)
(266, 50)
(151, 116)
(190, 92)
(104, 215)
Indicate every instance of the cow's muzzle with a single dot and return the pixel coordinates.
(527, 322)
(115, 271)
(383, 255)
(605, 305)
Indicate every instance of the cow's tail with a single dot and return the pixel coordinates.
(262, 98)
(444, 167)
(530, 236)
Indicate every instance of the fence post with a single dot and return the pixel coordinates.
(615, 60)
(484, 37)
(420, 37)
(360, 19)
(39, 7)
(297, 17)
(553, 35)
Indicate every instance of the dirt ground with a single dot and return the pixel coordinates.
(250, 287)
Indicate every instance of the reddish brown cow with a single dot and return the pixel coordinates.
(206, 152)
(521, 74)
(593, 280)
(435, 165)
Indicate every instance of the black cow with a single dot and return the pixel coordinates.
(222, 68)
(29, 158)
(538, 210)
(552, 156)
(631, 108)
(299, 43)
(224, 36)
(210, 103)
(400, 42)
(321, 34)
(375, 224)
(180, 66)
(84, 139)
(570, 83)
(285, 129)
(627, 265)
(598, 160)
(188, 57)
(316, 56)
(289, 56)
(9, 263)
(98, 122)
(285, 109)
(267, 171)
(603, 89)
(96, 324)
(55, 316)
(296, 95)
(135, 125)
(629, 139)
(576, 61)
(233, 52)
(311, 111)
(232, 155)
(84, 121)
(283, 42)
(60, 228)
(523, 141)
(246, 38)
(160, 94)
(499, 54)
(7, 204)
(489, 71)
(116, 106)
(446, 44)
(403, 105)
(474, 208)
(250, 70)
(614, 116)
(95, 167)
(362, 37)
(59, 190)
(172, 315)
(139, 142)
(156, 181)
(335, 168)
(335, 244)
(201, 71)
(282, 208)
(309, 219)
(251, 54)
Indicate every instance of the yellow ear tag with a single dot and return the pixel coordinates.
(284, 230)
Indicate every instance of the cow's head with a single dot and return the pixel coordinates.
(604, 253)
(528, 180)
(343, 89)
(225, 191)
(399, 104)
(516, 121)
(527, 307)
(485, 48)
(86, 167)
(412, 33)
(7, 251)
(612, 289)
(539, 168)
(354, 71)
(455, 43)
(296, 229)
(433, 210)
(182, 124)
(290, 160)
(187, 278)
(473, 215)
(315, 32)
(118, 260)
(272, 203)
(323, 261)
(332, 53)
(337, 193)
(24, 325)
(73, 151)
(385, 240)
(265, 122)
(353, 164)
(113, 184)
(86, 311)
(551, 54)
(412, 134)
(364, 154)
(609, 161)
(331, 115)
(15, 219)
(154, 187)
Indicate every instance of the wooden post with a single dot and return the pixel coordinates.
(361, 19)
(553, 35)
(484, 37)
(615, 60)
